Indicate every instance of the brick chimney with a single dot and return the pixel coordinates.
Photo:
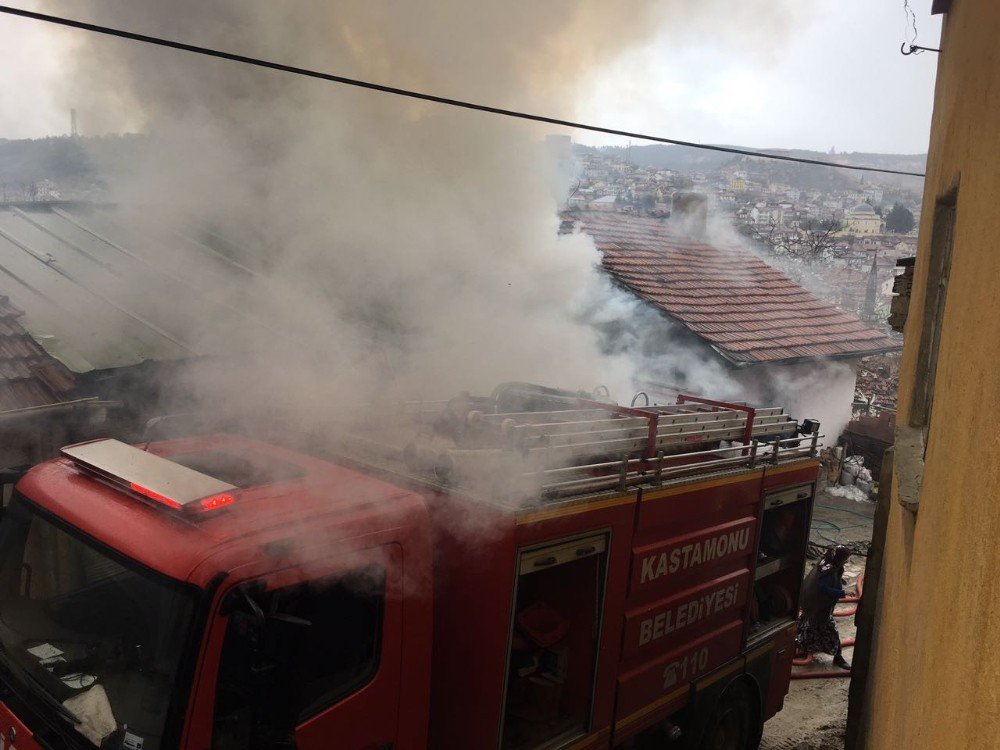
(689, 211)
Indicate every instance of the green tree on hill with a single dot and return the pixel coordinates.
(899, 219)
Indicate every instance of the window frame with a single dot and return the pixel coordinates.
(913, 437)
(279, 584)
(935, 300)
(330, 698)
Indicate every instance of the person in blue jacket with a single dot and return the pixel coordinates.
(821, 591)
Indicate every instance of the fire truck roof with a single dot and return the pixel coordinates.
(273, 495)
(195, 507)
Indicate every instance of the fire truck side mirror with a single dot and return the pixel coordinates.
(247, 626)
(241, 598)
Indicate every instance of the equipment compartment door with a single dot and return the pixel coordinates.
(784, 534)
(556, 629)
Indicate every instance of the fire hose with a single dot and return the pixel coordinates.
(814, 674)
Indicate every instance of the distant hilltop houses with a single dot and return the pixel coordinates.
(754, 193)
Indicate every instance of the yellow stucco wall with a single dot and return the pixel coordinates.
(936, 669)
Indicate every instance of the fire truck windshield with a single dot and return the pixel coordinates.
(98, 634)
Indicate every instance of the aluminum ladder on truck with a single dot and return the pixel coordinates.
(593, 447)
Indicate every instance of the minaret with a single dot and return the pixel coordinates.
(871, 292)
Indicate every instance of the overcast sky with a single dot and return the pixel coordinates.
(833, 78)
(828, 75)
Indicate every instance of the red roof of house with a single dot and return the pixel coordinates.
(29, 376)
(745, 309)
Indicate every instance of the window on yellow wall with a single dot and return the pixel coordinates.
(939, 266)
(912, 437)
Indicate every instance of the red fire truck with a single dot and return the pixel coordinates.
(532, 570)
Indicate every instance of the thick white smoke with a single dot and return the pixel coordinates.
(405, 249)
(411, 248)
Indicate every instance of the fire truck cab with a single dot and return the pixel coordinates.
(465, 576)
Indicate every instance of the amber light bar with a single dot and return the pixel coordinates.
(151, 477)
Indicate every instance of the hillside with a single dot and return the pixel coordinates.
(64, 167)
(80, 168)
(687, 159)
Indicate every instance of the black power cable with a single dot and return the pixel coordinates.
(426, 97)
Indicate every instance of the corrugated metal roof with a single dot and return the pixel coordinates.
(28, 375)
(102, 287)
(748, 311)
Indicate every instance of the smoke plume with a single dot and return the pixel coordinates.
(400, 248)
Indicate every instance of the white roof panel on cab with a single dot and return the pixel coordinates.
(152, 476)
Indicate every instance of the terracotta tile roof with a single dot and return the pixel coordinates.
(29, 376)
(748, 311)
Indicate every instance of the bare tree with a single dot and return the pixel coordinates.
(818, 235)
(771, 234)
(810, 238)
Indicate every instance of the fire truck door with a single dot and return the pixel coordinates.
(333, 655)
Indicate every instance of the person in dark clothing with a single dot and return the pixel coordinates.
(821, 591)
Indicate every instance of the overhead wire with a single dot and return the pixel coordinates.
(909, 23)
(443, 100)
(910, 40)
